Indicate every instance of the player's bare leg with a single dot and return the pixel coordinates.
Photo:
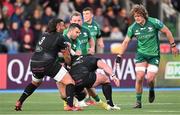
(151, 73)
(62, 92)
(140, 73)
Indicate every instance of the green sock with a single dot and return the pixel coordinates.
(138, 97)
(96, 98)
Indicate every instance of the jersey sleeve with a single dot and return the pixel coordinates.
(89, 34)
(99, 34)
(130, 32)
(157, 23)
(78, 45)
(65, 32)
(62, 42)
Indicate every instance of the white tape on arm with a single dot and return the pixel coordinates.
(72, 52)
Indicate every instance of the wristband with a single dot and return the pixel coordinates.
(112, 76)
(173, 45)
(118, 59)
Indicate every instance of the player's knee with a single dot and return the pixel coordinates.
(68, 81)
(150, 79)
(139, 80)
(107, 80)
(152, 68)
(140, 77)
(37, 84)
(103, 79)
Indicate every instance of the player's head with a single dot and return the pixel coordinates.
(87, 14)
(56, 25)
(74, 30)
(76, 18)
(139, 13)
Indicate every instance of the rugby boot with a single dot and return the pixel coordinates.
(151, 96)
(81, 104)
(137, 105)
(89, 101)
(74, 108)
(103, 105)
(18, 106)
(115, 107)
(64, 103)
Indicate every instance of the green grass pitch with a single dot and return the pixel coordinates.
(166, 103)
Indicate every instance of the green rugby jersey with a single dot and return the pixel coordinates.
(147, 36)
(84, 38)
(75, 44)
(94, 29)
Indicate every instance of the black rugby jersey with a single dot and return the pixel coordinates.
(48, 47)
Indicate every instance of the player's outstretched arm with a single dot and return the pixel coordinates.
(170, 37)
(109, 71)
(122, 49)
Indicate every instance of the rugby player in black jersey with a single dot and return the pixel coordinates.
(44, 63)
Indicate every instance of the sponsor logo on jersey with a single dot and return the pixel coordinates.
(142, 28)
(41, 41)
(95, 27)
(89, 26)
(156, 61)
(137, 32)
(150, 29)
(85, 34)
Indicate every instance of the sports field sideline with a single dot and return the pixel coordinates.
(48, 102)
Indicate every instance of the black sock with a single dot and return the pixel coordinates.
(80, 95)
(27, 92)
(70, 94)
(107, 91)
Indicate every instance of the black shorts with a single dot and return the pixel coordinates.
(86, 83)
(41, 69)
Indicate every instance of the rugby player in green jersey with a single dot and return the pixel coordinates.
(145, 29)
(71, 38)
(85, 37)
(94, 28)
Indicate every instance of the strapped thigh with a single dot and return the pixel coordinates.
(152, 68)
(59, 76)
(137, 69)
(35, 79)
